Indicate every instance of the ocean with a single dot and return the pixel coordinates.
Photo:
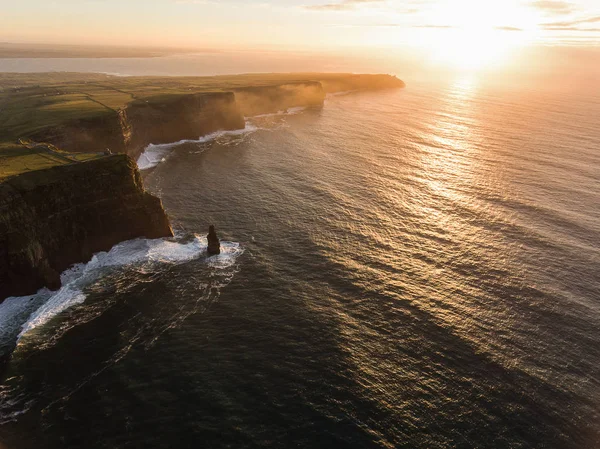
(415, 268)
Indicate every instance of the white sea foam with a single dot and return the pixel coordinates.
(273, 114)
(19, 316)
(296, 110)
(155, 154)
(68, 296)
(340, 94)
(290, 111)
(15, 311)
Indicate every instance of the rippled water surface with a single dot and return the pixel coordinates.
(404, 269)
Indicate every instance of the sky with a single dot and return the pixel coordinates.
(294, 23)
(463, 32)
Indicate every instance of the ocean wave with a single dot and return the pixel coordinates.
(20, 315)
(154, 154)
(296, 110)
(289, 111)
(340, 94)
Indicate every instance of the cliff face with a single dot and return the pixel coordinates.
(185, 117)
(175, 117)
(143, 122)
(53, 218)
(171, 119)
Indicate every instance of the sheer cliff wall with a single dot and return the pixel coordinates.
(174, 117)
(143, 122)
(165, 120)
(53, 218)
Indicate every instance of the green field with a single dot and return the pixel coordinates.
(17, 158)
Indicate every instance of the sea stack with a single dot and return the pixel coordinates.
(214, 246)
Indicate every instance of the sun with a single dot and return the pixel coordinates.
(471, 48)
(475, 34)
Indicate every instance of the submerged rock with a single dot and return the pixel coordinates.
(214, 246)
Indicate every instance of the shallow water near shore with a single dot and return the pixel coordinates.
(409, 269)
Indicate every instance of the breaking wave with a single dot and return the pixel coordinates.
(25, 321)
(289, 111)
(340, 94)
(20, 315)
(154, 154)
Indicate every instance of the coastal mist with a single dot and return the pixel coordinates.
(414, 268)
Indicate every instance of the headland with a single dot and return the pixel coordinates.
(69, 186)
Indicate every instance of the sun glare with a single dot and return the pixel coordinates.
(471, 48)
(471, 34)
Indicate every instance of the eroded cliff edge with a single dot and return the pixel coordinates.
(142, 122)
(51, 219)
(172, 117)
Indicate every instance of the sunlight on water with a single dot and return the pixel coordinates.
(419, 271)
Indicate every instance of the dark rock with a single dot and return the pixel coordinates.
(51, 219)
(214, 246)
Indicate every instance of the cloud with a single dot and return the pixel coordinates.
(573, 25)
(586, 30)
(508, 28)
(443, 27)
(554, 6)
(435, 27)
(196, 2)
(345, 5)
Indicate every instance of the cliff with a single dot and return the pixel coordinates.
(142, 122)
(53, 218)
(184, 117)
(170, 118)
(55, 211)
(333, 84)
(179, 113)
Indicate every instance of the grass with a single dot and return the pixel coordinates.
(17, 158)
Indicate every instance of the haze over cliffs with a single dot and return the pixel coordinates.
(92, 113)
(64, 198)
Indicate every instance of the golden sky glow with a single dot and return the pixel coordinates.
(479, 38)
(462, 33)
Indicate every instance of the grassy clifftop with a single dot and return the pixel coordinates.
(31, 102)
(18, 158)
(45, 106)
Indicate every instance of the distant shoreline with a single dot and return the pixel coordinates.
(45, 51)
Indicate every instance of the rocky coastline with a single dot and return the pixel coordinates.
(55, 217)
(51, 219)
(166, 119)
